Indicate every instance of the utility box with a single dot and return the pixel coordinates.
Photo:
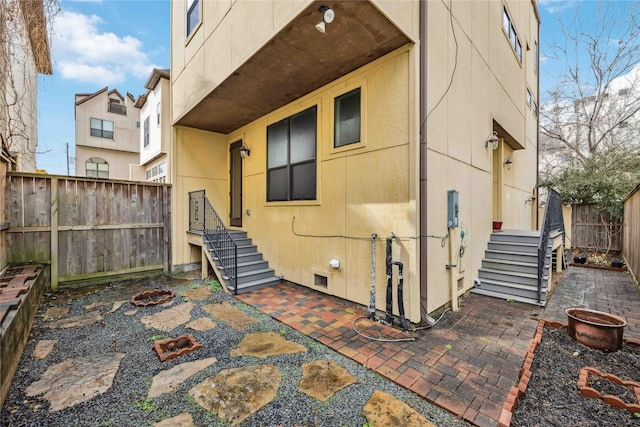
(452, 209)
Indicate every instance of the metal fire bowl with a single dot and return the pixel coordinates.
(596, 329)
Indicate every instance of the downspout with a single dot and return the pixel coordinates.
(423, 161)
(538, 121)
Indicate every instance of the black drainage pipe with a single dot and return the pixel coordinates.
(389, 266)
(403, 320)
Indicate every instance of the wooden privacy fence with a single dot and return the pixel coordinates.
(86, 228)
(631, 246)
(594, 230)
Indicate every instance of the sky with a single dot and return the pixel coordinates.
(116, 43)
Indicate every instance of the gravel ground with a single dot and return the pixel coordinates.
(126, 404)
(552, 397)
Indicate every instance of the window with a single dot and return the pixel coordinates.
(116, 107)
(146, 132)
(536, 58)
(623, 125)
(347, 118)
(510, 32)
(529, 97)
(101, 128)
(157, 173)
(623, 92)
(158, 114)
(193, 15)
(291, 157)
(138, 125)
(96, 167)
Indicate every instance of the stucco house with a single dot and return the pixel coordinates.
(317, 130)
(107, 134)
(155, 129)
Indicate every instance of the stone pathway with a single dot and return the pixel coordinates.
(231, 394)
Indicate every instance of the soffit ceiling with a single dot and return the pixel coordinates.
(297, 61)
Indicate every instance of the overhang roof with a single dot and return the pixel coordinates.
(298, 60)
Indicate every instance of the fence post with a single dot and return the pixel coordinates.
(54, 233)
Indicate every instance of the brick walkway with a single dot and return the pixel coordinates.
(469, 361)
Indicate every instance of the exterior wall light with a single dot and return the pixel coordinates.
(492, 141)
(328, 16)
(244, 151)
(508, 162)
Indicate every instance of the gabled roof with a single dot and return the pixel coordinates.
(88, 96)
(112, 91)
(155, 76)
(141, 100)
(36, 27)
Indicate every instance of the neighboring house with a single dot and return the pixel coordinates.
(107, 135)
(155, 129)
(24, 53)
(313, 125)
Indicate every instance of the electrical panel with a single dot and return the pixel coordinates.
(452, 209)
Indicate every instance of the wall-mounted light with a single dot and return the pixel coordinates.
(508, 162)
(244, 151)
(328, 16)
(492, 141)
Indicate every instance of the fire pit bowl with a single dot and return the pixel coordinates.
(596, 329)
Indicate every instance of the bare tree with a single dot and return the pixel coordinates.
(24, 52)
(594, 107)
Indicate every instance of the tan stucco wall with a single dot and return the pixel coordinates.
(489, 84)
(361, 190)
(119, 161)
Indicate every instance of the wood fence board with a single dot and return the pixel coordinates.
(631, 243)
(594, 230)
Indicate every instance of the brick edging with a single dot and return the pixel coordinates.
(615, 401)
(525, 375)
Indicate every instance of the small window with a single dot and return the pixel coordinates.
(158, 114)
(529, 97)
(193, 15)
(291, 157)
(536, 58)
(101, 128)
(96, 167)
(116, 107)
(347, 118)
(623, 125)
(146, 132)
(138, 125)
(623, 92)
(510, 32)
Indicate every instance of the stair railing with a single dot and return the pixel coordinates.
(203, 218)
(552, 220)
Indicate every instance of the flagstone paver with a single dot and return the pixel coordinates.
(201, 324)
(75, 321)
(202, 292)
(384, 410)
(43, 348)
(76, 380)
(130, 312)
(322, 379)
(235, 394)
(167, 320)
(169, 379)
(183, 420)
(265, 344)
(117, 305)
(237, 319)
(55, 312)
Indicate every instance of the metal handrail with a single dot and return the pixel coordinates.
(552, 220)
(204, 218)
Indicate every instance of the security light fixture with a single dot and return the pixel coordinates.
(244, 151)
(328, 15)
(508, 162)
(492, 141)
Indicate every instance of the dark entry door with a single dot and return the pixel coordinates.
(235, 193)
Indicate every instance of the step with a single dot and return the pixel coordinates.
(250, 276)
(238, 234)
(244, 267)
(257, 284)
(516, 237)
(516, 289)
(514, 247)
(508, 297)
(513, 266)
(242, 258)
(507, 276)
(512, 256)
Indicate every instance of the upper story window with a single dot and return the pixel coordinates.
(193, 15)
(510, 32)
(116, 107)
(624, 91)
(101, 128)
(536, 58)
(158, 114)
(347, 118)
(529, 97)
(146, 132)
(291, 157)
(97, 167)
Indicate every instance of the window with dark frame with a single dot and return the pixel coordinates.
(510, 32)
(116, 107)
(146, 132)
(158, 114)
(347, 118)
(96, 167)
(291, 157)
(101, 128)
(193, 15)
